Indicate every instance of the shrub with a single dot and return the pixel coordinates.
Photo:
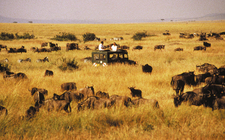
(89, 37)
(24, 36)
(68, 64)
(6, 36)
(139, 35)
(65, 37)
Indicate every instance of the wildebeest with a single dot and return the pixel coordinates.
(135, 92)
(69, 96)
(178, 86)
(202, 37)
(141, 101)
(42, 50)
(48, 73)
(187, 77)
(57, 105)
(3, 46)
(87, 48)
(206, 44)
(160, 47)
(215, 79)
(68, 86)
(94, 102)
(214, 90)
(206, 67)
(72, 46)
(11, 75)
(219, 103)
(137, 48)
(3, 111)
(4, 60)
(15, 50)
(199, 48)
(201, 77)
(43, 60)
(147, 68)
(87, 91)
(124, 47)
(44, 44)
(31, 112)
(39, 95)
(102, 94)
(121, 100)
(178, 49)
(24, 60)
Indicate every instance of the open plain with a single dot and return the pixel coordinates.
(184, 122)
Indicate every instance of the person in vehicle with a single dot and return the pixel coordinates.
(101, 47)
(114, 47)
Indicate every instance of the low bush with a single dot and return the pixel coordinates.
(65, 37)
(139, 35)
(68, 64)
(88, 37)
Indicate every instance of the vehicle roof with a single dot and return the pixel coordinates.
(109, 51)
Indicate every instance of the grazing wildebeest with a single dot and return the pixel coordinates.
(52, 44)
(141, 101)
(31, 112)
(215, 79)
(187, 77)
(218, 103)
(147, 68)
(44, 44)
(206, 67)
(160, 47)
(3, 111)
(39, 95)
(135, 92)
(124, 47)
(68, 86)
(201, 77)
(102, 94)
(3, 46)
(202, 37)
(69, 96)
(57, 105)
(43, 60)
(178, 49)
(72, 46)
(137, 48)
(87, 91)
(48, 73)
(42, 50)
(214, 90)
(15, 50)
(94, 102)
(24, 60)
(206, 44)
(12, 75)
(199, 48)
(40, 90)
(178, 86)
(121, 100)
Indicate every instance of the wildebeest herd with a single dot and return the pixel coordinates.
(210, 95)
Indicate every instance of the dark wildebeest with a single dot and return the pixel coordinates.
(202, 37)
(87, 48)
(94, 102)
(102, 94)
(42, 50)
(206, 44)
(124, 47)
(147, 68)
(160, 47)
(39, 95)
(51, 104)
(44, 44)
(200, 78)
(137, 48)
(43, 60)
(24, 60)
(214, 90)
(3, 111)
(206, 67)
(141, 101)
(121, 100)
(135, 92)
(69, 96)
(187, 77)
(218, 103)
(87, 91)
(178, 86)
(48, 73)
(72, 46)
(215, 79)
(31, 112)
(15, 50)
(178, 49)
(12, 75)
(68, 86)
(199, 48)
(52, 44)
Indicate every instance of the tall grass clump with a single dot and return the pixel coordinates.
(139, 35)
(24, 36)
(88, 37)
(65, 37)
(68, 64)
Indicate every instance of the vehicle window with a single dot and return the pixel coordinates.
(102, 57)
(120, 55)
(125, 56)
(96, 56)
(113, 56)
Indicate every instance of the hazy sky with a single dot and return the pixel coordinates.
(109, 9)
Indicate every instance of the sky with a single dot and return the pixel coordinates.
(109, 9)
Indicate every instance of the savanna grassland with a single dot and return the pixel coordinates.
(184, 122)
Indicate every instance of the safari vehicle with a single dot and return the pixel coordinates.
(107, 57)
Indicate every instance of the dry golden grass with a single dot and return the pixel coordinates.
(185, 122)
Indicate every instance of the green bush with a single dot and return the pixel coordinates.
(139, 35)
(65, 37)
(68, 64)
(6, 36)
(24, 36)
(89, 37)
